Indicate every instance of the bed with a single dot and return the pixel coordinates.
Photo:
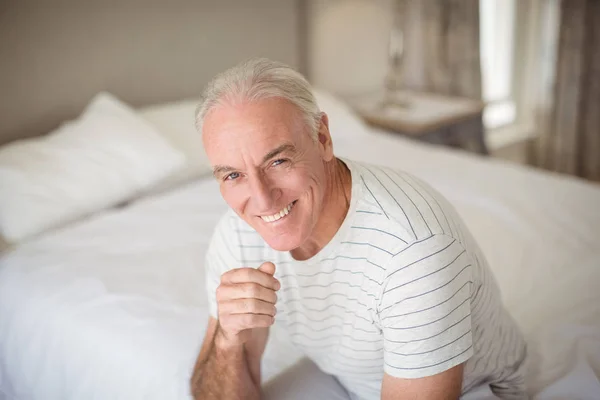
(114, 305)
(110, 302)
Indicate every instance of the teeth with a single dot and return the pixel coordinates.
(279, 215)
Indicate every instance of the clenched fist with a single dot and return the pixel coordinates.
(246, 301)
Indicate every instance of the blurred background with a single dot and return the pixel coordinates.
(532, 64)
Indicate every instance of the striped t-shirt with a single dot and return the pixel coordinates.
(402, 288)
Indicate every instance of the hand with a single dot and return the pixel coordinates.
(246, 301)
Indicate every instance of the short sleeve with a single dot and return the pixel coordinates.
(219, 259)
(425, 308)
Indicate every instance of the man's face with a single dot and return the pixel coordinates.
(271, 172)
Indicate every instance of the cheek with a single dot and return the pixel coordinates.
(297, 181)
(233, 196)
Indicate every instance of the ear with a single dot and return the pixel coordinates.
(324, 139)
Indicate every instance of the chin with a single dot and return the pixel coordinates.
(282, 242)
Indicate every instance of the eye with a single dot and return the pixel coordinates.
(279, 162)
(232, 176)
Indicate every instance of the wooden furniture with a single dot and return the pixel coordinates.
(451, 121)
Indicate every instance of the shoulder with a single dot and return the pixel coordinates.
(438, 266)
(400, 202)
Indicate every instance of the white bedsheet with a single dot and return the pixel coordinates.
(114, 307)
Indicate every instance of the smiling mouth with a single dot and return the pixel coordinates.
(278, 215)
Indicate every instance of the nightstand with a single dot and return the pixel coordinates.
(433, 118)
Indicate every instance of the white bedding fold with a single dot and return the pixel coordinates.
(114, 307)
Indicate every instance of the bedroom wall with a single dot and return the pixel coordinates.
(55, 55)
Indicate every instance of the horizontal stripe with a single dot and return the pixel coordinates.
(368, 212)
(413, 243)
(378, 230)
(301, 312)
(429, 274)
(421, 259)
(368, 244)
(289, 299)
(429, 337)
(427, 292)
(352, 258)
(347, 357)
(432, 350)
(287, 289)
(432, 322)
(338, 326)
(336, 270)
(431, 365)
(432, 307)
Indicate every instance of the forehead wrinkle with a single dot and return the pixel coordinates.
(240, 128)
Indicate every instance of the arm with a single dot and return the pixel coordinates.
(425, 315)
(225, 371)
(228, 366)
(444, 386)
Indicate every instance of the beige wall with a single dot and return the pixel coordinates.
(55, 55)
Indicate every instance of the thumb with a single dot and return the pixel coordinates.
(267, 267)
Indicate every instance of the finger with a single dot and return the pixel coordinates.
(239, 322)
(267, 267)
(247, 306)
(242, 275)
(246, 290)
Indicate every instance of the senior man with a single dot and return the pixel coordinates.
(369, 270)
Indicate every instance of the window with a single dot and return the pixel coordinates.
(497, 47)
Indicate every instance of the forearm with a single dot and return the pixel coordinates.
(224, 374)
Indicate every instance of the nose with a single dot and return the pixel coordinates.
(263, 194)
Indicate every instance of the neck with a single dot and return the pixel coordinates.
(336, 203)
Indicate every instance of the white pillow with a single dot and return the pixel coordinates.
(176, 123)
(106, 156)
(344, 123)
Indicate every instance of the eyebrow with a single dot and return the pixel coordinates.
(278, 150)
(222, 169)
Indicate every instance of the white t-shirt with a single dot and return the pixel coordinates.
(402, 288)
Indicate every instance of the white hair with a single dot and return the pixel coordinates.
(256, 79)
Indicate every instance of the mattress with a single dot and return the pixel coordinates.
(114, 307)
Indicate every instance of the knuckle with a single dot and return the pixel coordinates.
(245, 306)
(251, 290)
(247, 274)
